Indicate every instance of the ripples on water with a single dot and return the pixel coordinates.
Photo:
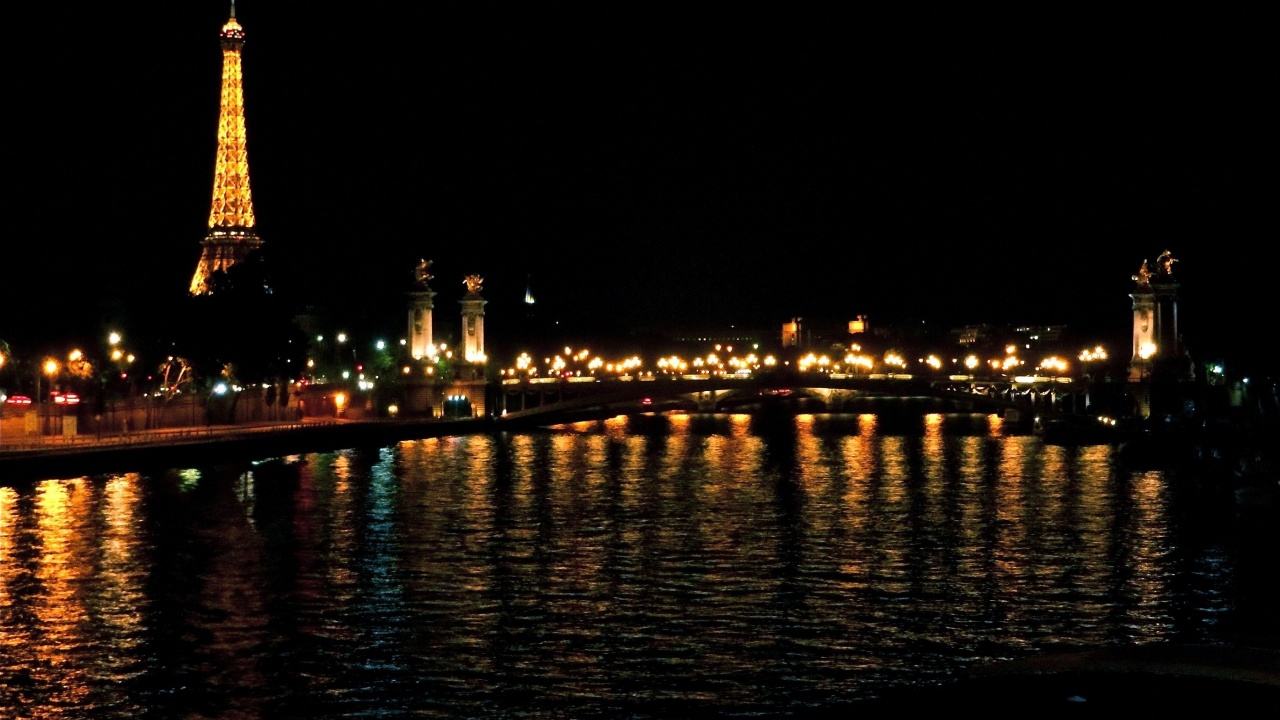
(663, 566)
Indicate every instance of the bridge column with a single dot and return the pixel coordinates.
(706, 401)
(1157, 343)
(420, 306)
(473, 320)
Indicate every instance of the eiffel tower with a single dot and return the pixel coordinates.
(231, 233)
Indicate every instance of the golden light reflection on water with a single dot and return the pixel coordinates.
(123, 579)
(931, 494)
(1012, 476)
(810, 473)
(62, 567)
(8, 533)
(1149, 551)
(996, 427)
(11, 570)
(615, 427)
(338, 531)
(969, 493)
(478, 453)
(568, 563)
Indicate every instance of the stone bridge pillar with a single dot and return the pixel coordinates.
(420, 305)
(473, 320)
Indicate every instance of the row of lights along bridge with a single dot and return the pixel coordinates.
(339, 363)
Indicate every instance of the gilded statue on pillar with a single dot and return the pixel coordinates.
(473, 283)
(421, 273)
(1143, 278)
(1166, 261)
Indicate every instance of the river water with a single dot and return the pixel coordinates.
(658, 566)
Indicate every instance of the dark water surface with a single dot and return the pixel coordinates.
(681, 566)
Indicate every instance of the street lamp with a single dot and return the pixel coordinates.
(3, 397)
(121, 360)
(342, 341)
(1091, 355)
(1145, 352)
(1088, 357)
(50, 368)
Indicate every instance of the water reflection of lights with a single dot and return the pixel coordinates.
(122, 576)
(1011, 542)
(8, 531)
(1147, 551)
(63, 526)
(188, 479)
(996, 423)
(247, 494)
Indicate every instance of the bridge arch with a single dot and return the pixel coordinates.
(543, 403)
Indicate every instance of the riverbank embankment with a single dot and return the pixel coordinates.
(186, 447)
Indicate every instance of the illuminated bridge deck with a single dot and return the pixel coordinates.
(550, 400)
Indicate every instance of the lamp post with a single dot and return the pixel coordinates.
(1088, 357)
(50, 368)
(3, 397)
(115, 353)
(122, 361)
(342, 341)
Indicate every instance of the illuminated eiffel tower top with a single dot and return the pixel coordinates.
(231, 235)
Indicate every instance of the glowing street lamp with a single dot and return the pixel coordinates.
(50, 368)
(1089, 356)
(1093, 354)
(1054, 364)
(3, 397)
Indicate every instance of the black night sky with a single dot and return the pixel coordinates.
(646, 166)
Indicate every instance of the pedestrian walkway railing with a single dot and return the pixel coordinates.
(155, 436)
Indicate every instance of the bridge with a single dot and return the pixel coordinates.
(551, 401)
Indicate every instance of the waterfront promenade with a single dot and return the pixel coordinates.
(36, 456)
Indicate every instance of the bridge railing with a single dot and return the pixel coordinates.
(27, 443)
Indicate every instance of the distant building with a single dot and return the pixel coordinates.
(791, 333)
(859, 325)
(974, 335)
(1040, 334)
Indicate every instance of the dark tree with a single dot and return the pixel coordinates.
(243, 324)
